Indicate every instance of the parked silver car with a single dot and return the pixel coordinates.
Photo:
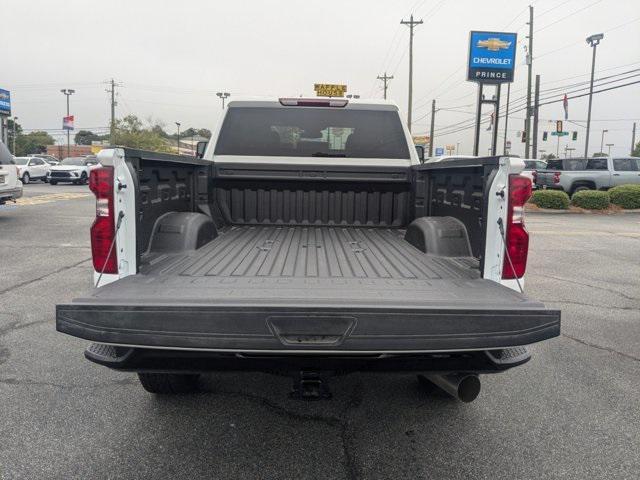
(600, 173)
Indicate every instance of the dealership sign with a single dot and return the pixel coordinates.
(492, 57)
(5, 102)
(67, 123)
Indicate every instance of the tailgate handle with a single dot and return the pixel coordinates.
(320, 330)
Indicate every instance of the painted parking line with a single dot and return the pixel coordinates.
(52, 197)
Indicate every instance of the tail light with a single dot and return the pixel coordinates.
(556, 177)
(103, 228)
(517, 237)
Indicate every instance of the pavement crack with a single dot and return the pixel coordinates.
(582, 304)
(13, 326)
(605, 289)
(41, 383)
(343, 425)
(42, 277)
(600, 347)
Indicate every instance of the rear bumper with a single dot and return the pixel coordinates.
(13, 193)
(181, 361)
(251, 330)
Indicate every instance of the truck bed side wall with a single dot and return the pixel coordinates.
(303, 195)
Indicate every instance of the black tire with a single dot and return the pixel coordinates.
(26, 178)
(580, 188)
(169, 383)
(53, 182)
(45, 180)
(83, 179)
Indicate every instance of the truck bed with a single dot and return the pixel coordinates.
(257, 288)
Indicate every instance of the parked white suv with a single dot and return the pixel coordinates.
(32, 168)
(10, 186)
(73, 170)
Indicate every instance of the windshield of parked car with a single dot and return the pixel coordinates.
(21, 160)
(73, 161)
(312, 132)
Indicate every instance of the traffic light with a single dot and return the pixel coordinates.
(574, 136)
(559, 126)
(524, 136)
(545, 135)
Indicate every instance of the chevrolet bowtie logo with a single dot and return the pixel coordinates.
(493, 44)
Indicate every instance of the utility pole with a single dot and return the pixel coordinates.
(602, 141)
(527, 121)
(178, 125)
(610, 145)
(536, 108)
(633, 138)
(68, 92)
(15, 133)
(593, 41)
(385, 79)
(223, 96)
(506, 120)
(431, 131)
(112, 125)
(411, 23)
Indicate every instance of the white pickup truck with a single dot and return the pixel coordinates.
(308, 239)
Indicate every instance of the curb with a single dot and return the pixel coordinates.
(580, 212)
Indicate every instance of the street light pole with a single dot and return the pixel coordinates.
(178, 125)
(593, 41)
(223, 96)
(602, 141)
(15, 132)
(610, 145)
(68, 92)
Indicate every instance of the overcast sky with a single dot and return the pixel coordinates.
(172, 56)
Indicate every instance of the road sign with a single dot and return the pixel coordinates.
(439, 151)
(5, 102)
(559, 134)
(67, 122)
(329, 90)
(420, 139)
(492, 57)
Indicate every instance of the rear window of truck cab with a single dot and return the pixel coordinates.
(312, 132)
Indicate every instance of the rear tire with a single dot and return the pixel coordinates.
(53, 182)
(26, 178)
(169, 383)
(579, 188)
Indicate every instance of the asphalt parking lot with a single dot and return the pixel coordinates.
(571, 412)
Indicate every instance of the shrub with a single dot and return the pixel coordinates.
(591, 199)
(625, 196)
(555, 199)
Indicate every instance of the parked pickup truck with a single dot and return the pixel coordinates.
(600, 173)
(309, 240)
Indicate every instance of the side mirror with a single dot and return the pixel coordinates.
(200, 149)
(420, 150)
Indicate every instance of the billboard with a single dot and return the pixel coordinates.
(5, 102)
(67, 123)
(492, 57)
(329, 90)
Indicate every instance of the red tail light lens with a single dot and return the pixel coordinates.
(103, 228)
(517, 237)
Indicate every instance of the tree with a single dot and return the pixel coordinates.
(549, 156)
(599, 154)
(131, 132)
(13, 128)
(34, 142)
(85, 137)
(636, 151)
